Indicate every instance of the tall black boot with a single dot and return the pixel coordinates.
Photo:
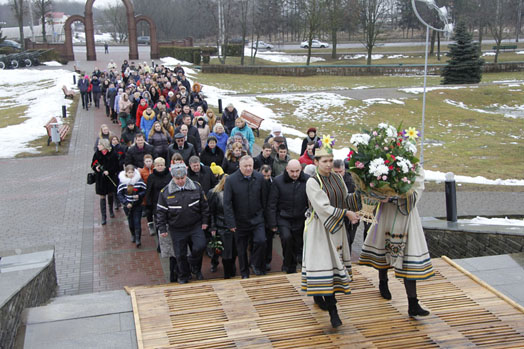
(331, 302)
(110, 199)
(103, 210)
(415, 309)
(319, 300)
(384, 289)
(172, 270)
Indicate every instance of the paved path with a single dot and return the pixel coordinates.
(45, 201)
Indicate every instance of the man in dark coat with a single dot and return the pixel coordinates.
(192, 133)
(183, 211)
(351, 229)
(135, 153)
(245, 198)
(182, 147)
(264, 158)
(83, 86)
(287, 206)
(201, 174)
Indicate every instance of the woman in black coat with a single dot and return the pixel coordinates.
(218, 228)
(212, 153)
(105, 165)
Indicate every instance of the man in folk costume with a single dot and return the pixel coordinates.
(326, 262)
(397, 241)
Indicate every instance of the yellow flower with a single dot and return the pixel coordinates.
(411, 133)
(326, 141)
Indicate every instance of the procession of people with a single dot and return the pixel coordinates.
(195, 178)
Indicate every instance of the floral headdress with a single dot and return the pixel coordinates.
(326, 146)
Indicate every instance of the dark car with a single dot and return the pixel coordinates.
(11, 43)
(144, 40)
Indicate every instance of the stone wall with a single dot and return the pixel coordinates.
(36, 292)
(343, 70)
(461, 244)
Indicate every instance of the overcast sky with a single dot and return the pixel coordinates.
(98, 3)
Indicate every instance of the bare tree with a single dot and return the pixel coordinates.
(372, 15)
(335, 19)
(497, 23)
(312, 11)
(244, 10)
(19, 7)
(41, 8)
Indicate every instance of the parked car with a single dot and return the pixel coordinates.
(261, 44)
(238, 41)
(11, 43)
(314, 44)
(144, 40)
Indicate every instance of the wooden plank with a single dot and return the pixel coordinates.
(270, 311)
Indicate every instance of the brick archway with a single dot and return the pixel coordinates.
(152, 33)
(70, 55)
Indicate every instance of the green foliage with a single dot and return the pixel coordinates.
(188, 54)
(233, 50)
(464, 65)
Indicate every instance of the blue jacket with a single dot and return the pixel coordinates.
(83, 85)
(96, 85)
(247, 133)
(146, 124)
(222, 140)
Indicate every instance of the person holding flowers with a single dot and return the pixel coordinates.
(384, 167)
(326, 262)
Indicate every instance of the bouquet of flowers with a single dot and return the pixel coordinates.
(214, 246)
(383, 163)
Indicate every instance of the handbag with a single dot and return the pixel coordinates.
(91, 178)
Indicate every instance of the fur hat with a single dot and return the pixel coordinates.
(211, 138)
(178, 170)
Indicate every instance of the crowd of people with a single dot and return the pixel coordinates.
(194, 177)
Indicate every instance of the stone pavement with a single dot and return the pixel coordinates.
(45, 201)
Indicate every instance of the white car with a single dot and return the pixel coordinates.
(261, 44)
(314, 44)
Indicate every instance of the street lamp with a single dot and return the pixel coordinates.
(448, 28)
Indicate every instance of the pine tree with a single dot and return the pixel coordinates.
(464, 65)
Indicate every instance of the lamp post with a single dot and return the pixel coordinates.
(448, 28)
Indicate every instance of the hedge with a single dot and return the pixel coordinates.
(233, 50)
(188, 54)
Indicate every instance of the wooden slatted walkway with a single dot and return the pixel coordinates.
(270, 311)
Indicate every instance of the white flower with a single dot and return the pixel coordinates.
(359, 138)
(390, 130)
(383, 125)
(377, 167)
(404, 164)
(410, 147)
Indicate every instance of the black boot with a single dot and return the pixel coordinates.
(319, 300)
(172, 270)
(110, 203)
(384, 289)
(331, 303)
(132, 236)
(137, 240)
(103, 211)
(415, 309)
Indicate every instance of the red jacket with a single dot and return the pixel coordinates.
(139, 111)
(305, 159)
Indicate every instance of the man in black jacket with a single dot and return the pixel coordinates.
(264, 158)
(135, 154)
(287, 206)
(245, 198)
(182, 147)
(183, 211)
(201, 174)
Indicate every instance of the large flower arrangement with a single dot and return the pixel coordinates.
(383, 161)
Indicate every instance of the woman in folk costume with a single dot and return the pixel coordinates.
(397, 241)
(326, 262)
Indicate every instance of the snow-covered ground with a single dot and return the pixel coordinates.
(41, 92)
(281, 57)
(493, 221)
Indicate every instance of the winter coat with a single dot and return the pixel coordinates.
(305, 159)
(96, 86)
(155, 183)
(209, 155)
(139, 111)
(260, 160)
(193, 132)
(216, 210)
(180, 210)
(229, 118)
(279, 166)
(125, 106)
(307, 140)
(108, 162)
(187, 151)
(287, 201)
(245, 200)
(247, 132)
(221, 140)
(230, 166)
(129, 187)
(135, 156)
(203, 133)
(205, 178)
(128, 136)
(120, 151)
(83, 85)
(160, 142)
(110, 97)
(145, 172)
(146, 122)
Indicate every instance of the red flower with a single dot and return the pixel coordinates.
(390, 167)
(393, 157)
(350, 154)
(386, 161)
(135, 189)
(398, 144)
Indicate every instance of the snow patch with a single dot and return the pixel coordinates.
(493, 221)
(417, 90)
(52, 64)
(282, 57)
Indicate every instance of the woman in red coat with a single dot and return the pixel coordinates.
(140, 110)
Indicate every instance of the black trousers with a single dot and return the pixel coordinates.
(258, 233)
(292, 242)
(268, 253)
(85, 100)
(194, 238)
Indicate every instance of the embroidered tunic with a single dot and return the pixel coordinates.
(397, 240)
(326, 261)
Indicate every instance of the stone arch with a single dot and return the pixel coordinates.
(152, 32)
(90, 32)
(70, 55)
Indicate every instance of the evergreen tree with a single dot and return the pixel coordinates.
(464, 65)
